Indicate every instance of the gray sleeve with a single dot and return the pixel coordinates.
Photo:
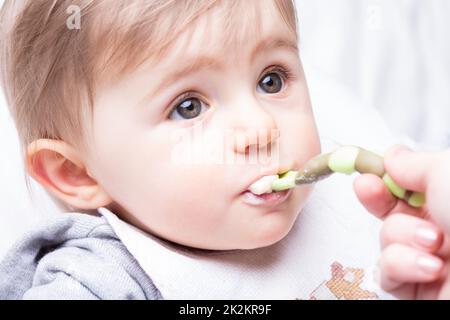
(74, 257)
(63, 287)
(89, 268)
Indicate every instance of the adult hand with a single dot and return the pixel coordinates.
(415, 259)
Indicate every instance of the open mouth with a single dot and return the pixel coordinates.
(270, 189)
(274, 183)
(263, 185)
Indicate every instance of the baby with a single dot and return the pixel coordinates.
(99, 107)
(160, 113)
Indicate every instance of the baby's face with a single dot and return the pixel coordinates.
(178, 150)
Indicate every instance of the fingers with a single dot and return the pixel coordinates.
(424, 172)
(438, 195)
(414, 232)
(400, 264)
(409, 169)
(378, 200)
(413, 252)
(374, 195)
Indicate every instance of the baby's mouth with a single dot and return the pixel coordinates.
(270, 190)
(274, 183)
(263, 185)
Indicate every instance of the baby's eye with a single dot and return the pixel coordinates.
(188, 108)
(274, 80)
(271, 83)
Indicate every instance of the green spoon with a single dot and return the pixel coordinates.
(347, 160)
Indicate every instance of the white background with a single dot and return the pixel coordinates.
(393, 55)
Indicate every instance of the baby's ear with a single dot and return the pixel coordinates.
(57, 166)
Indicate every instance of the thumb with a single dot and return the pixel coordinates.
(411, 170)
(424, 172)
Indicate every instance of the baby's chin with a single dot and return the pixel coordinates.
(266, 232)
(277, 225)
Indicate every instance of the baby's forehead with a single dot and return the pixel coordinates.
(213, 37)
(202, 59)
(230, 29)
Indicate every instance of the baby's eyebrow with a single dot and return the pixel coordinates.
(274, 42)
(190, 66)
(204, 62)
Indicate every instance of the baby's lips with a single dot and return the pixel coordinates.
(263, 185)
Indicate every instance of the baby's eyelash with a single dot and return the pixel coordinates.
(184, 96)
(285, 72)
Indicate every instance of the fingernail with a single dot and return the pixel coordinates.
(426, 237)
(429, 264)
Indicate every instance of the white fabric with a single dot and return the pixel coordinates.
(332, 228)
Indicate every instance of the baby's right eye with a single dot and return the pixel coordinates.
(188, 108)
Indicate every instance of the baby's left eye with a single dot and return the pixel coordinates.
(272, 82)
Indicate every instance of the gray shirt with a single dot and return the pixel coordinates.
(73, 256)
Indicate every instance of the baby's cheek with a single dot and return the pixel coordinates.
(301, 139)
(190, 192)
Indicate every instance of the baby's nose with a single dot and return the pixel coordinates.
(256, 138)
(254, 127)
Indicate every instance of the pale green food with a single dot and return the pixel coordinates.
(263, 185)
(286, 181)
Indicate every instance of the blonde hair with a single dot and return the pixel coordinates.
(50, 72)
